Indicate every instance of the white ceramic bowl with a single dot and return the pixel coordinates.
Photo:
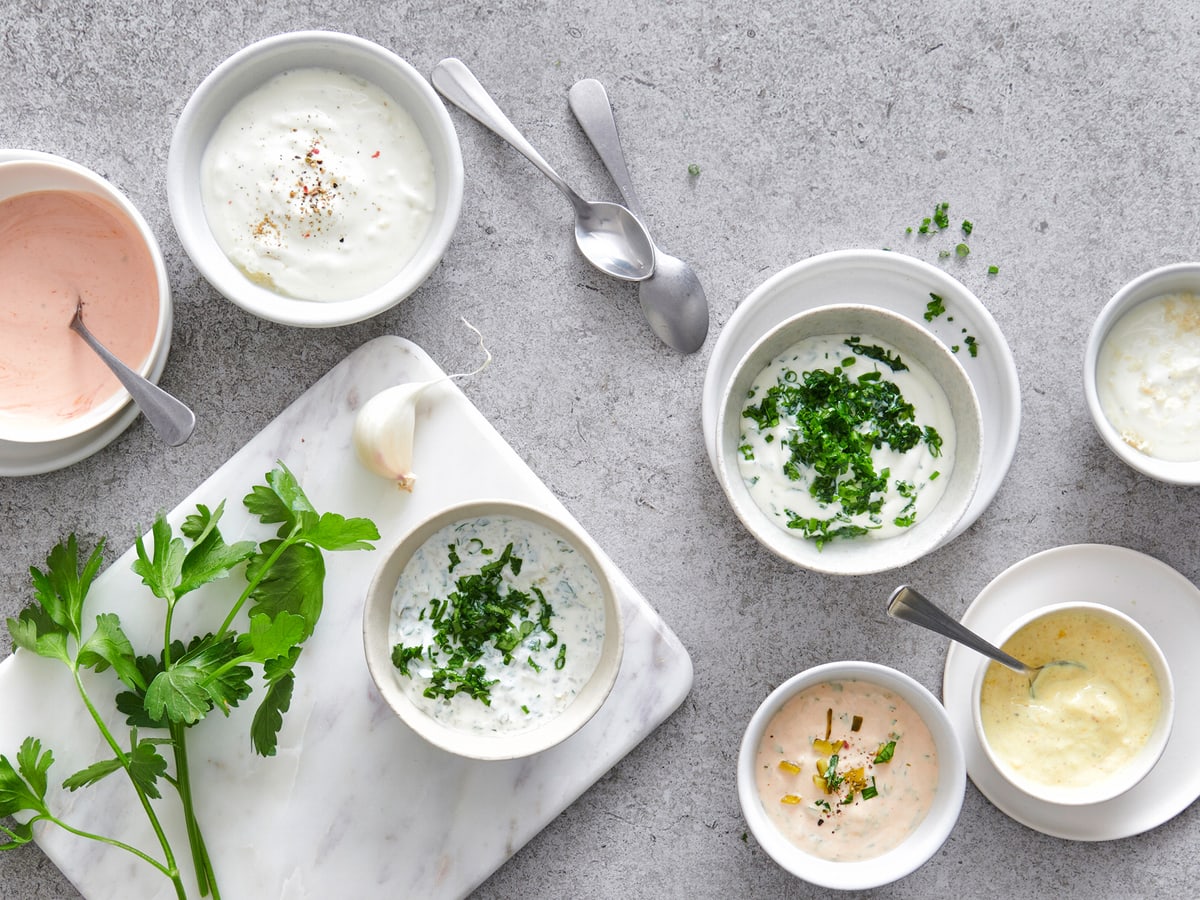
(915, 849)
(1124, 778)
(23, 172)
(377, 616)
(247, 70)
(1178, 278)
(860, 555)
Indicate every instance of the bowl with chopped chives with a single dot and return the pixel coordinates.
(492, 630)
(849, 440)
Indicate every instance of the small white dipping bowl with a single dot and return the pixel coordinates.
(44, 172)
(1132, 772)
(1181, 278)
(929, 834)
(865, 554)
(248, 70)
(377, 617)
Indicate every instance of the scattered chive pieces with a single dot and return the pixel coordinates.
(962, 250)
(885, 752)
(992, 270)
(935, 307)
(870, 792)
(967, 227)
(693, 170)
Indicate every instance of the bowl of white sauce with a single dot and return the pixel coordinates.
(850, 775)
(492, 630)
(315, 179)
(849, 440)
(1093, 722)
(1142, 373)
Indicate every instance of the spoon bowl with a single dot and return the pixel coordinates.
(672, 299)
(909, 605)
(609, 236)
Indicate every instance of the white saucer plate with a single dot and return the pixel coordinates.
(34, 459)
(902, 284)
(1163, 602)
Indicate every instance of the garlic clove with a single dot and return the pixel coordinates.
(385, 426)
(384, 431)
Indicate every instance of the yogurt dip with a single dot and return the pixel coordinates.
(57, 246)
(844, 438)
(532, 660)
(1077, 724)
(846, 770)
(1148, 377)
(318, 185)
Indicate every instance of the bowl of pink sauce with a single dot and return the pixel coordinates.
(68, 235)
(850, 775)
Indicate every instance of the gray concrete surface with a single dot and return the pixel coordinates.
(1067, 133)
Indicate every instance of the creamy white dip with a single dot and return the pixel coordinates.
(534, 685)
(318, 185)
(842, 823)
(1148, 377)
(915, 479)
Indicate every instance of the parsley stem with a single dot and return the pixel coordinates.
(205, 877)
(171, 869)
(251, 584)
(112, 842)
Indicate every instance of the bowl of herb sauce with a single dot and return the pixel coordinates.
(492, 630)
(849, 440)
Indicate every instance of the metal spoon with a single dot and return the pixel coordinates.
(909, 605)
(673, 300)
(172, 420)
(609, 235)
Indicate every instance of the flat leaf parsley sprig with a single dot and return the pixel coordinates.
(175, 688)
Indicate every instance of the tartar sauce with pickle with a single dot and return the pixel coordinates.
(842, 437)
(497, 624)
(318, 185)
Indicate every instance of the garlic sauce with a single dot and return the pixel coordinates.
(318, 185)
(530, 689)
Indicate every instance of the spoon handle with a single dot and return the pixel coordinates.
(459, 85)
(172, 420)
(592, 108)
(909, 605)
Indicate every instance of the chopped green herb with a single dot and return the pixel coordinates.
(875, 352)
(870, 792)
(833, 780)
(482, 611)
(935, 307)
(524, 709)
(967, 227)
(884, 754)
(834, 424)
(693, 170)
(941, 215)
(993, 270)
(972, 345)
(963, 251)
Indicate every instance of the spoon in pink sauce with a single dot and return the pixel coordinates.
(171, 419)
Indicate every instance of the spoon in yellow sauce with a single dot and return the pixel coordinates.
(909, 605)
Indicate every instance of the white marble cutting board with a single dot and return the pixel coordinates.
(354, 805)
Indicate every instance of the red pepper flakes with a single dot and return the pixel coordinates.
(375, 155)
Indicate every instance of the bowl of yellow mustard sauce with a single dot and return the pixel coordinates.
(1096, 718)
